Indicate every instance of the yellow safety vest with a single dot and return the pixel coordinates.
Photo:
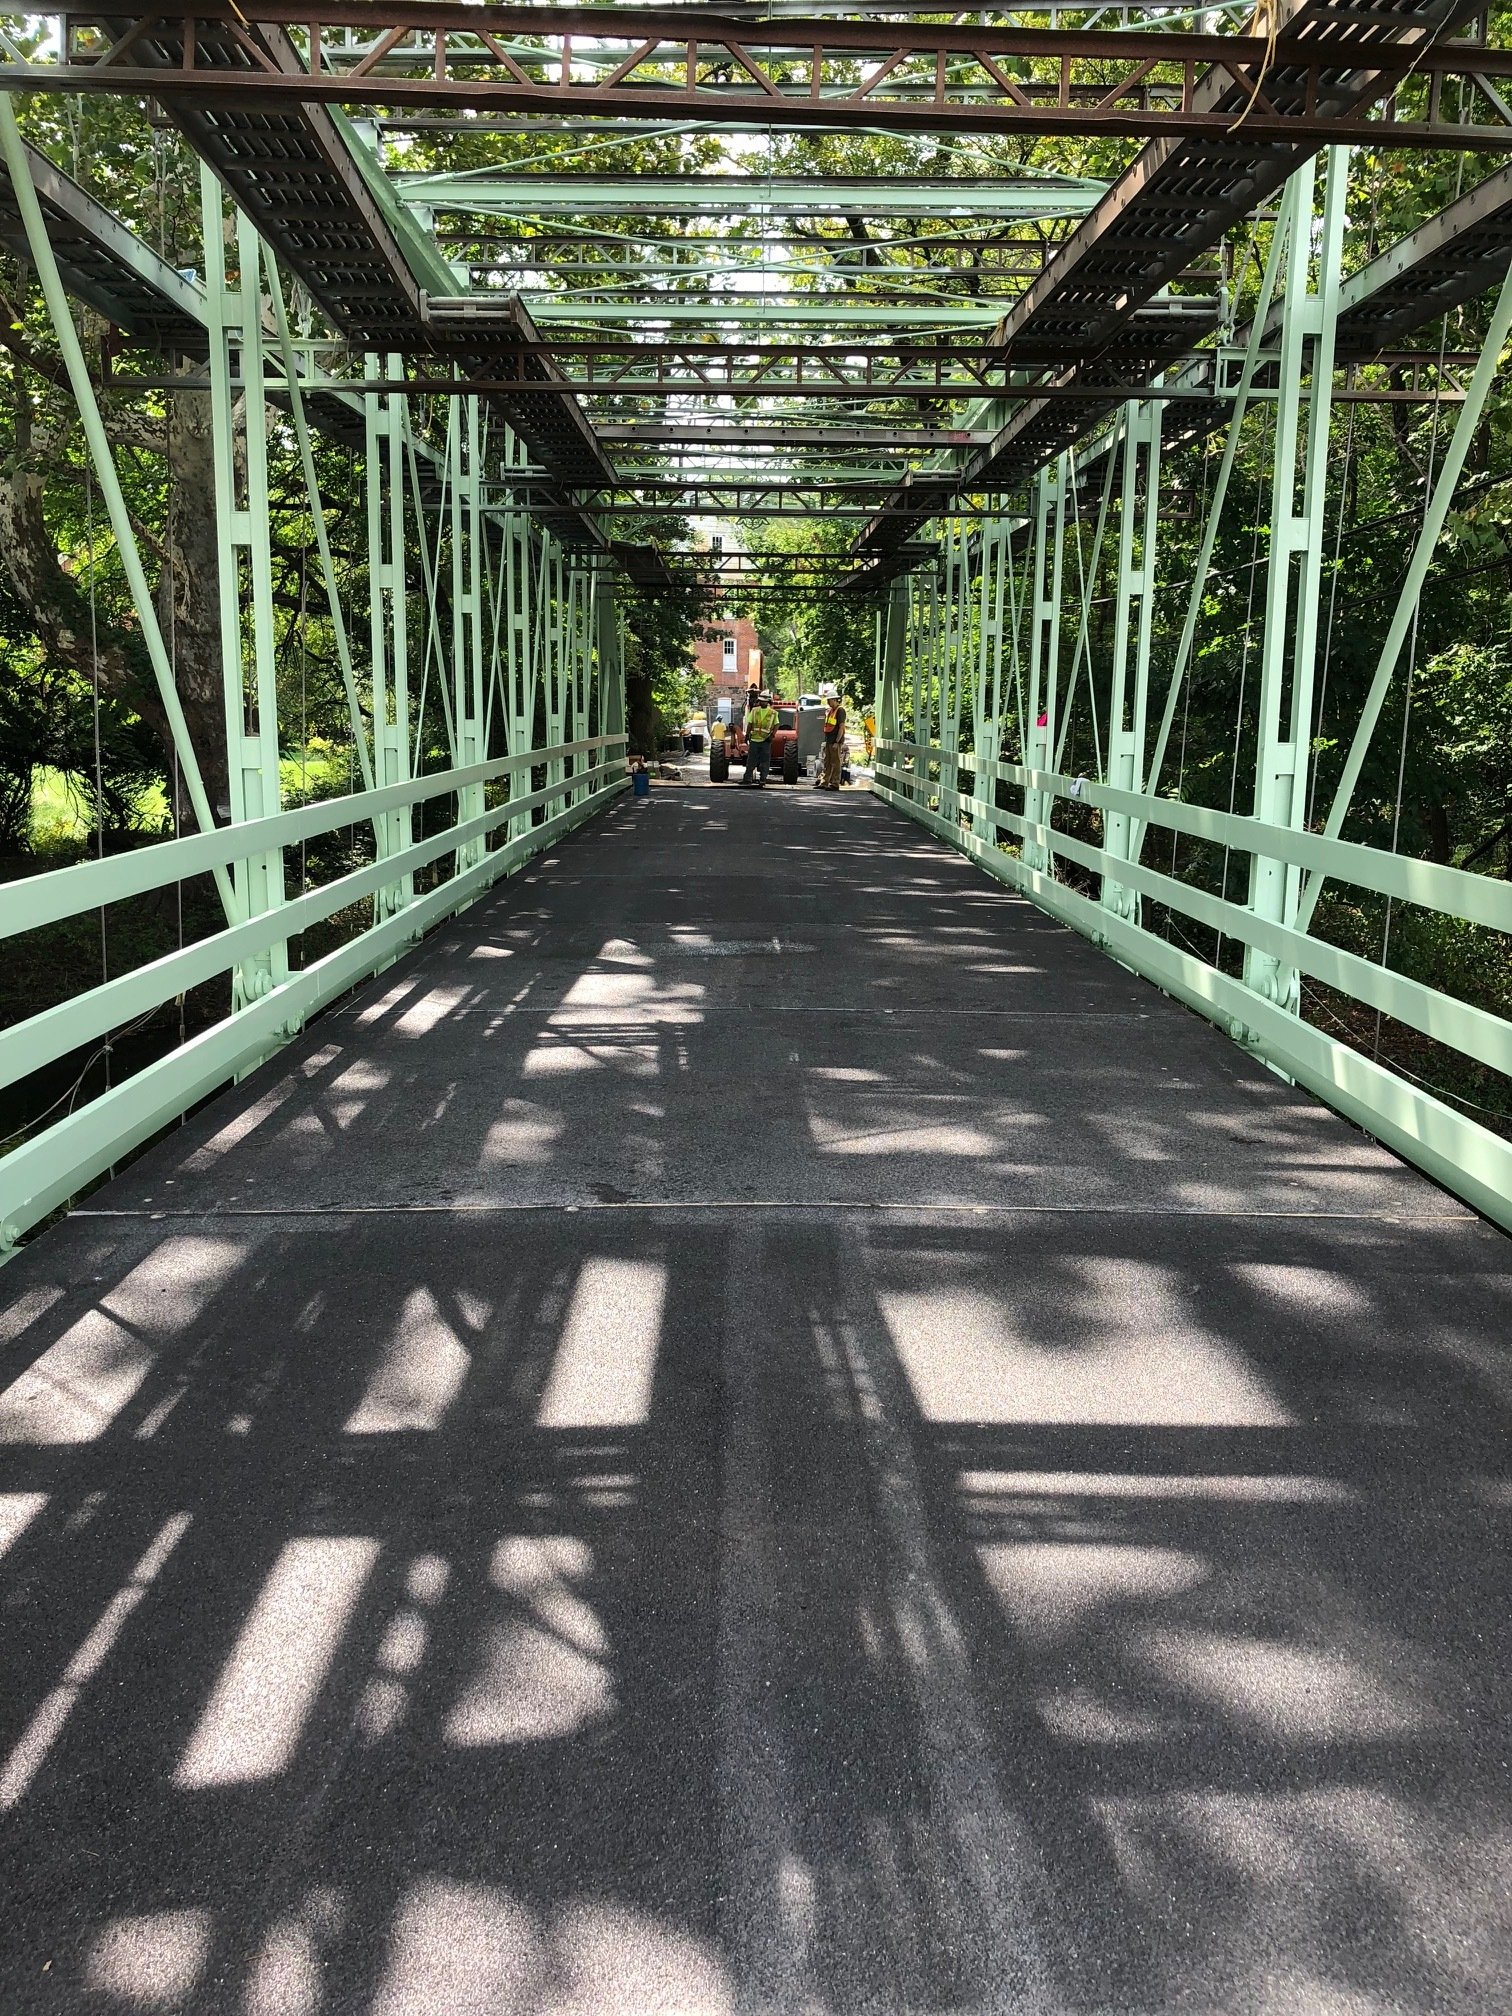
(759, 724)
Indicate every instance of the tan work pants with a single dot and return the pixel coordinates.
(830, 768)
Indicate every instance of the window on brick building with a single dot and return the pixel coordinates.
(729, 655)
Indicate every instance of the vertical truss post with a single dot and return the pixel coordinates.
(467, 611)
(1134, 606)
(1044, 645)
(1451, 468)
(580, 580)
(987, 726)
(892, 647)
(952, 667)
(1285, 228)
(384, 418)
(922, 589)
(611, 657)
(519, 629)
(1299, 480)
(554, 613)
(239, 449)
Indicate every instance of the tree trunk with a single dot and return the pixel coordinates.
(87, 641)
(640, 714)
(1440, 847)
(189, 592)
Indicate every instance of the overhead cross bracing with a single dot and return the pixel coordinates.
(108, 266)
(267, 82)
(295, 173)
(644, 63)
(1105, 297)
(1448, 260)
(153, 305)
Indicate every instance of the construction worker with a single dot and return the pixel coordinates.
(760, 726)
(834, 743)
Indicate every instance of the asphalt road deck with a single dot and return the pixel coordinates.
(757, 1427)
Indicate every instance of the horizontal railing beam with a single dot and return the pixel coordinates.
(41, 1039)
(1477, 1034)
(28, 904)
(1466, 1158)
(1476, 899)
(45, 1171)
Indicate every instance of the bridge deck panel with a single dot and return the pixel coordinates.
(573, 1581)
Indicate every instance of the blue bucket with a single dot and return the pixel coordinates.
(641, 783)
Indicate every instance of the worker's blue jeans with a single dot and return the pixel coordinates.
(759, 761)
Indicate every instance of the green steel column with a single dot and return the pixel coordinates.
(1466, 426)
(611, 662)
(569, 633)
(580, 596)
(519, 677)
(1299, 481)
(879, 633)
(952, 667)
(987, 699)
(921, 646)
(467, 610)
(385, 443)
(1044, 646)
(546, 644)
(894, 646)
(1286, 227)
(239, 445)
(999, 615)
(396, 734)
(1134, 606)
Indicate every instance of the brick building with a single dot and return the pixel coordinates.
(724, 657)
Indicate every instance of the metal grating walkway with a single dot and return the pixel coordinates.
(756, 1427)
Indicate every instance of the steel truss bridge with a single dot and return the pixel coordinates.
(823, 1410)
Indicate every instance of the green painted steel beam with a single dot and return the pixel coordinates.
(999, 198)
(749, 311)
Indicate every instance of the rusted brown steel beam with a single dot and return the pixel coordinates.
(469, 34)
(708, 66)
(768, 428)
(660, 388)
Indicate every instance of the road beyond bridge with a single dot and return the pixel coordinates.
(756, 1426)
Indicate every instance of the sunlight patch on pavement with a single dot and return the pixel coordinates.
(262, 1699)
(1123, 1351)
(542, 1667)
(46, 1726)
(153, 1960)
(419, 1375)
(78, 1386)
(601, 1376)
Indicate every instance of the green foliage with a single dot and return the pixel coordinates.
(813, 637)
(662, 686)
(49, 788)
